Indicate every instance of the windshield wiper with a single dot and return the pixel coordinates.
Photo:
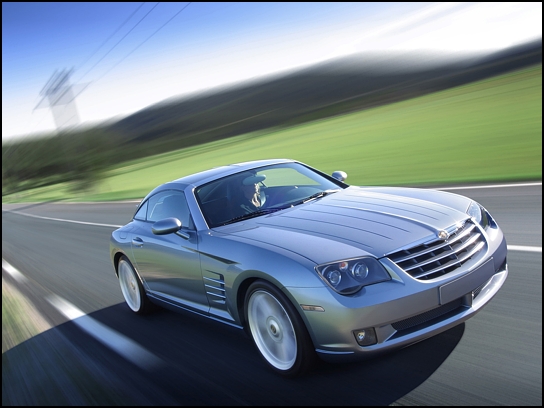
(274, 209)
(253, 214)
(317, 195)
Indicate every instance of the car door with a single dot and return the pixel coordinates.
(169, 264)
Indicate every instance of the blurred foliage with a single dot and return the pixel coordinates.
(80, 159)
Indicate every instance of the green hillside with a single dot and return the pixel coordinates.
(485, 131)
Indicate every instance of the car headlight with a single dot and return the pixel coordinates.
(349, 276)
(479, 214)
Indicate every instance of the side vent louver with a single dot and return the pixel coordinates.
(215, 289)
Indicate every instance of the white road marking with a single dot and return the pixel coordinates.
(59, 219)
(15, 274)
(490, 186)
(119, 343)
(524, 248)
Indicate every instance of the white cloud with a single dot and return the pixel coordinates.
(454, 27)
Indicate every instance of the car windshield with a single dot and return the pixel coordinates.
(261, 191)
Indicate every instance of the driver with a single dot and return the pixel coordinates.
(253, 197)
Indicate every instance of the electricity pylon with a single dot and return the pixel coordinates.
(59, 95)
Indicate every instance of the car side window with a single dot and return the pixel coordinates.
(140, 214)
(167, 204)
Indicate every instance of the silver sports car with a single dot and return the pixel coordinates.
(307, 264)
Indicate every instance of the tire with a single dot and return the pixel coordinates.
(132, 288)
(277, 330)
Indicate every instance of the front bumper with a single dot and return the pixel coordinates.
(402, 311)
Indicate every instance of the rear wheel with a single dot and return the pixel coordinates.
(132, 288)
(278, 330)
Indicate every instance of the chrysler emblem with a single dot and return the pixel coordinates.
(443, 235)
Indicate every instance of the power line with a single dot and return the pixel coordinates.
(111, 49)
(143, 42)
(115, 32)
(126, 56)
(104, 56)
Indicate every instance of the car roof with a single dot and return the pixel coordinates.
(206, 176)
(219, 172)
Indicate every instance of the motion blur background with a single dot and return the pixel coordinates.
(103, 101)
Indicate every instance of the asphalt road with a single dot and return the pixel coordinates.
(97, 352)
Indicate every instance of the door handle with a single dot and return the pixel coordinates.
(137, 241)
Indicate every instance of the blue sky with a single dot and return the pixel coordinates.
(128, 56)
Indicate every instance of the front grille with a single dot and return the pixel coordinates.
(438, 258)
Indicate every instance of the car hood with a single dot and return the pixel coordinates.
(355, 222)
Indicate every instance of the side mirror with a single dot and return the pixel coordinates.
(340, 175)
(166, 226)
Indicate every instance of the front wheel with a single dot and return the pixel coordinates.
(132, 288)
(278, 330)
